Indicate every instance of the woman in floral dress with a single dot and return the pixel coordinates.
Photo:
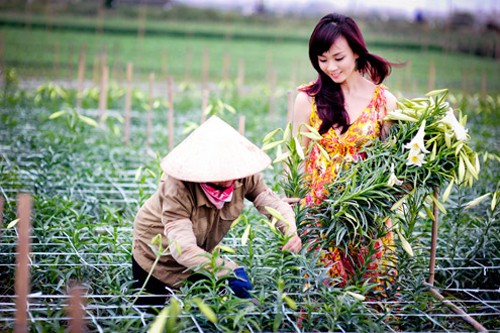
(346, 104)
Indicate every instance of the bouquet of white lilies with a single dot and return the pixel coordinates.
(427, 147)
(440, 142)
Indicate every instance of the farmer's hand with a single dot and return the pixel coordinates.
(240, 284)
(294, 244)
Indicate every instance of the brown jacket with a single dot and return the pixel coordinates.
(191, 226)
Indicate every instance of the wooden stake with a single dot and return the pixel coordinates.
(76, 310)
(150, 109)
(241, 125)
(484, 84)
(188, 64)
(272, 94)
(204, 105)
(95, 71)
(205, 67)
(164, 63)
(27, 16)
(22, 278)
(56, 59)
(99, 19)
(408, 78)
(431, 84)
(103, 96)
(269, 65)
(240, 80)
(290, 99)
(170, 117)
(128, 102)
(142, 21)
(48, 14)
(81, 76)
(293, 75)
(464, 80)
(116, 66)
(2, 47)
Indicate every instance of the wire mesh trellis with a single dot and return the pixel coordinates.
(100, 249)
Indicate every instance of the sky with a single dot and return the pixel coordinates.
(405, 8)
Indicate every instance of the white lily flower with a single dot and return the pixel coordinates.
(417, 143)
(416, 159)
(393, 180)
(450, 120)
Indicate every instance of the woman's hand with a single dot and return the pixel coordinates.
(294, 244)
(291, 200)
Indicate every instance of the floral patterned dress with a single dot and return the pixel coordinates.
(342, 150)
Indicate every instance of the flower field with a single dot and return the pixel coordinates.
(87, 185)
(90, 103)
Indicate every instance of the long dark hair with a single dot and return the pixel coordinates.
(328, 96)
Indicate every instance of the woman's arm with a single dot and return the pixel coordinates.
(301, 114)
(391, 105)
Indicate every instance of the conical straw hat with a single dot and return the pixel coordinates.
(214, 152)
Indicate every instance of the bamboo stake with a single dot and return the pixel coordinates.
(226, 66)
(435, 221)
(22, 278)
(272, 94)
(430, 284)
(128, 102)
(241, 125)
(170, 117)
(76, 310)
(103, 96)
(464, 315)
(2, 202)
(150, 109)
(81, 76)
(204, 105)
(69, 68)
(240, 80)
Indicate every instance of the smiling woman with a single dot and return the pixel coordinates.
(346, 104)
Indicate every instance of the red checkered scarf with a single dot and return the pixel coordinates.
(216, 196)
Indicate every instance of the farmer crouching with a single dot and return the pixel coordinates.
(206, 179)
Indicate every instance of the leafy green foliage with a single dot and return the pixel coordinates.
(88, 185)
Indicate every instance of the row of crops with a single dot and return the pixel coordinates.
(87, 186)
